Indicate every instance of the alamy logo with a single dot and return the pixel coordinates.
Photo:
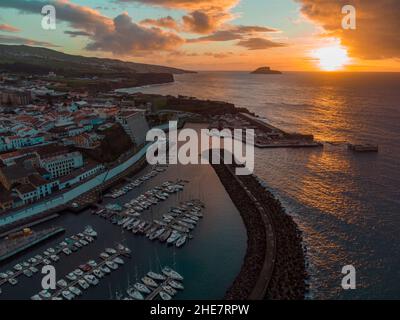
(349, 21)
(196, 149)
(349, 280)
(49, 280)
(49, 19)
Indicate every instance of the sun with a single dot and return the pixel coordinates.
(332, 58)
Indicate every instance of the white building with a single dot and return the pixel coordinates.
(62, 165)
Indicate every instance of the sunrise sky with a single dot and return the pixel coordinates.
(289, 35)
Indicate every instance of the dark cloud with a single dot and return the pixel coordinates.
(165, 22)
(20, 40)
(8, 28)
(74, 34)
(119, 36)
(259, 44)
(203, 16)
(234, 33)
(378, 24)
(203, 22)
(128, 37)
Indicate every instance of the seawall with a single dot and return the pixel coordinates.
(274, 265)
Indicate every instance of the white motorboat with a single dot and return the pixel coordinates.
(156, 276)
(91, 279)
(71, 276)
(165, 296)
(173, 237)
(62, 283)
(105, 269)
(104, 255)
(75, 291)
(141, 287)
(89, 231)
(67, 294)
(149, 282)
(175, 284)
(83, 284)
(45, 294)
(181, 241)
(110, 251)
(135, 294)
(92, 263)
(78, 272)
(98, 273)
(67, 251)
(169, 272)
(112, 265)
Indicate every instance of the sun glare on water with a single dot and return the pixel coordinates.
(331, 58)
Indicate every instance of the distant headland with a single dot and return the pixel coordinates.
(265, 70)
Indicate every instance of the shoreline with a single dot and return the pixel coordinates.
(274, 264)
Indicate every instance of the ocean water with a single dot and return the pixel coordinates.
(346, 204)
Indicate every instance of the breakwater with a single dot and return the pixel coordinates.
(274, 265)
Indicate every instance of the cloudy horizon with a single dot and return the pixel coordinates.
(213, 34)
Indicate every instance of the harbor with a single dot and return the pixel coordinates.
(86, 275)
(198, 260)
(162, 286)
(175, 228)
(49, 256)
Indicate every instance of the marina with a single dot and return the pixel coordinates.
(85, 276)
(197, 260)
(164, 286)
(49, 256)
(144, 201)
(135, 183)
(174, 229)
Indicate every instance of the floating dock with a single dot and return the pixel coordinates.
(58, 292)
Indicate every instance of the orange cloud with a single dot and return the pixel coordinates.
(165, 22)
(377, 32)
(190, 5)
(204, 16)
(259, 44)
(8, 28)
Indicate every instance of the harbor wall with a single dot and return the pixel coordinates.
(274, 265)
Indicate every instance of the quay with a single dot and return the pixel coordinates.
(10, 248)
(58, 251)
(285, 140)
(29, 225)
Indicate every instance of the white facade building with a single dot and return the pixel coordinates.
(62, 165)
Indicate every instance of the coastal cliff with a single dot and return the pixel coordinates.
(274, 265)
